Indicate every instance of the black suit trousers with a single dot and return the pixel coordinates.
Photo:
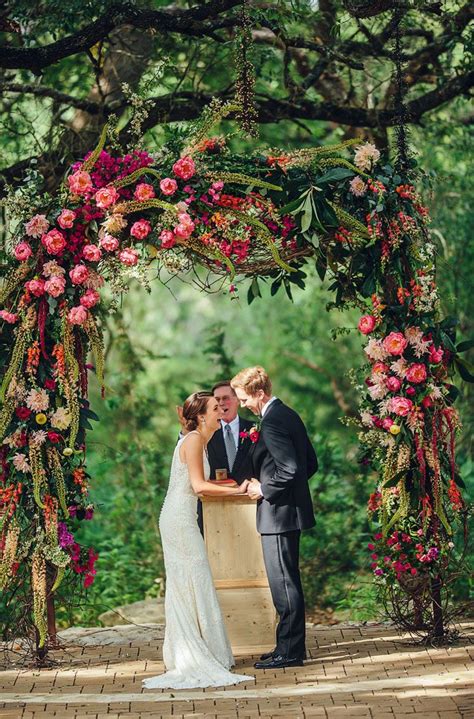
(281, 556)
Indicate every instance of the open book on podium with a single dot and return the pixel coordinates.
(235, 555)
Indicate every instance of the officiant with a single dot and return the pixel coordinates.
(227, 448)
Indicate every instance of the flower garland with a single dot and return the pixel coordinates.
(257, 216)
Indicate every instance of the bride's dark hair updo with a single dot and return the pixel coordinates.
(195, 405)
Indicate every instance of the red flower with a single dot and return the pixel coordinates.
(54, 437)
(50, 384)
(23, 412)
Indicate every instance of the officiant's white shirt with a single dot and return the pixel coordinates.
(234, 428)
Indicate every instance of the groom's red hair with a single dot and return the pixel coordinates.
(251, 380)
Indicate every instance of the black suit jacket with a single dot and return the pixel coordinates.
(217, 455)
(283, 460)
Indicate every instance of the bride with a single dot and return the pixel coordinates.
(196, 649)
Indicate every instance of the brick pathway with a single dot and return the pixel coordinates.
(352, 672)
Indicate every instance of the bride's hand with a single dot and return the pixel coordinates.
(242, 489)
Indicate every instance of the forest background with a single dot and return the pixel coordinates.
(332, 81)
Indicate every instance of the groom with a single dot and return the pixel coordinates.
(283, 460)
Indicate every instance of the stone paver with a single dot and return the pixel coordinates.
(351, 672)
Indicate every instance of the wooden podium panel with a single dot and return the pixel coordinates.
(235, 555)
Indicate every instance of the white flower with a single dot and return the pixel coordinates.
(377, 391)
(366, 418)
(39, 437)
(399, 367)
(374, 349)
(52, 268)
(384, 407)
(61, 419)
(413, 335)
(357, 186)
(365, 156)
(435, 392)
(20, 462)
(37, 400)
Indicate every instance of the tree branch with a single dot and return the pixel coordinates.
(41, 91)
(187, 105)
(191, 22)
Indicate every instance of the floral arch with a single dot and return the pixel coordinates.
(195, 204)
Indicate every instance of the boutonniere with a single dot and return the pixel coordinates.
(253, 433)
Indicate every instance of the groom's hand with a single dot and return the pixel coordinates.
(254, 490)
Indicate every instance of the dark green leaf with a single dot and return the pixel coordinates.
(465, 369)
(464, 346)
(338, 173)
(447, 341)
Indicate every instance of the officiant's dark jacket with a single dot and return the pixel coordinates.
(283, 460)
(217, 455)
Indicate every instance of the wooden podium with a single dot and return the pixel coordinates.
(235, 555)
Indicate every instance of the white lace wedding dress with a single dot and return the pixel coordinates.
(196, 650)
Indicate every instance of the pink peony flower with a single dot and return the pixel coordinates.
(140, 229)
(387, 423)
(80, 183)
(109, 243)
(8, 317)
(184, 229)
(184, 168)
(37, 226)
(106, 196)
(410, 391)
(78, 274)
(416, 373)
(436, 354)
(66, 219)
(395, 343)
(55, 286)
(143, 192)
(393, 383)
(168, 239)
(22, 251)
(36, 287)
(401, 406)
(90, 299)
(366, 324)
(77, 315)
(426, 401)
(379, 367)
(168, 186)
(128, 256)
(91, 253)
(54, 242)
(185, 219)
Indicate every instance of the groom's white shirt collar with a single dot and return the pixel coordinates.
(267, 405)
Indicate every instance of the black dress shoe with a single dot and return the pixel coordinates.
(277, 661)
(267, 655)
